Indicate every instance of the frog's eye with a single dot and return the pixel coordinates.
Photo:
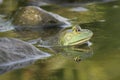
(76, 29)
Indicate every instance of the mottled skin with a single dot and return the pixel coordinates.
(74, 36)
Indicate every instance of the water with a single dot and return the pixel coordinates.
(103, 19)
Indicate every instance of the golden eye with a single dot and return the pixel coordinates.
(76, 29)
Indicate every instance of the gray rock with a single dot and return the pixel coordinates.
(6, 26)
(14, 51)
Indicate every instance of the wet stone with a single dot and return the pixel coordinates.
(34, 16)
(14, 50)
(27, 16)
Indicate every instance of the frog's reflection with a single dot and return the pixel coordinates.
(77, 53)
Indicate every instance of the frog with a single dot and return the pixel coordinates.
(70, 36)
(75, 36)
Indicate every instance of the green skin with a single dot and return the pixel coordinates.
(75, 36)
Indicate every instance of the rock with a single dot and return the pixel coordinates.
(7, 68)
(14, 51)
(30, 16)
(6, 26)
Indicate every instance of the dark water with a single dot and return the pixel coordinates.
(103, 19)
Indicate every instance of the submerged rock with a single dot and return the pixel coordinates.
(6, 26)
(7, 68)
(34, 16)
(14, 51)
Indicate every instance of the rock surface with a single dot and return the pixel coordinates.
(14, 51)
(34, 16)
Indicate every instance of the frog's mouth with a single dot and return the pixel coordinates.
(82, 41)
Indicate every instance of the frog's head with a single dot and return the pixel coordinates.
(75, 36)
